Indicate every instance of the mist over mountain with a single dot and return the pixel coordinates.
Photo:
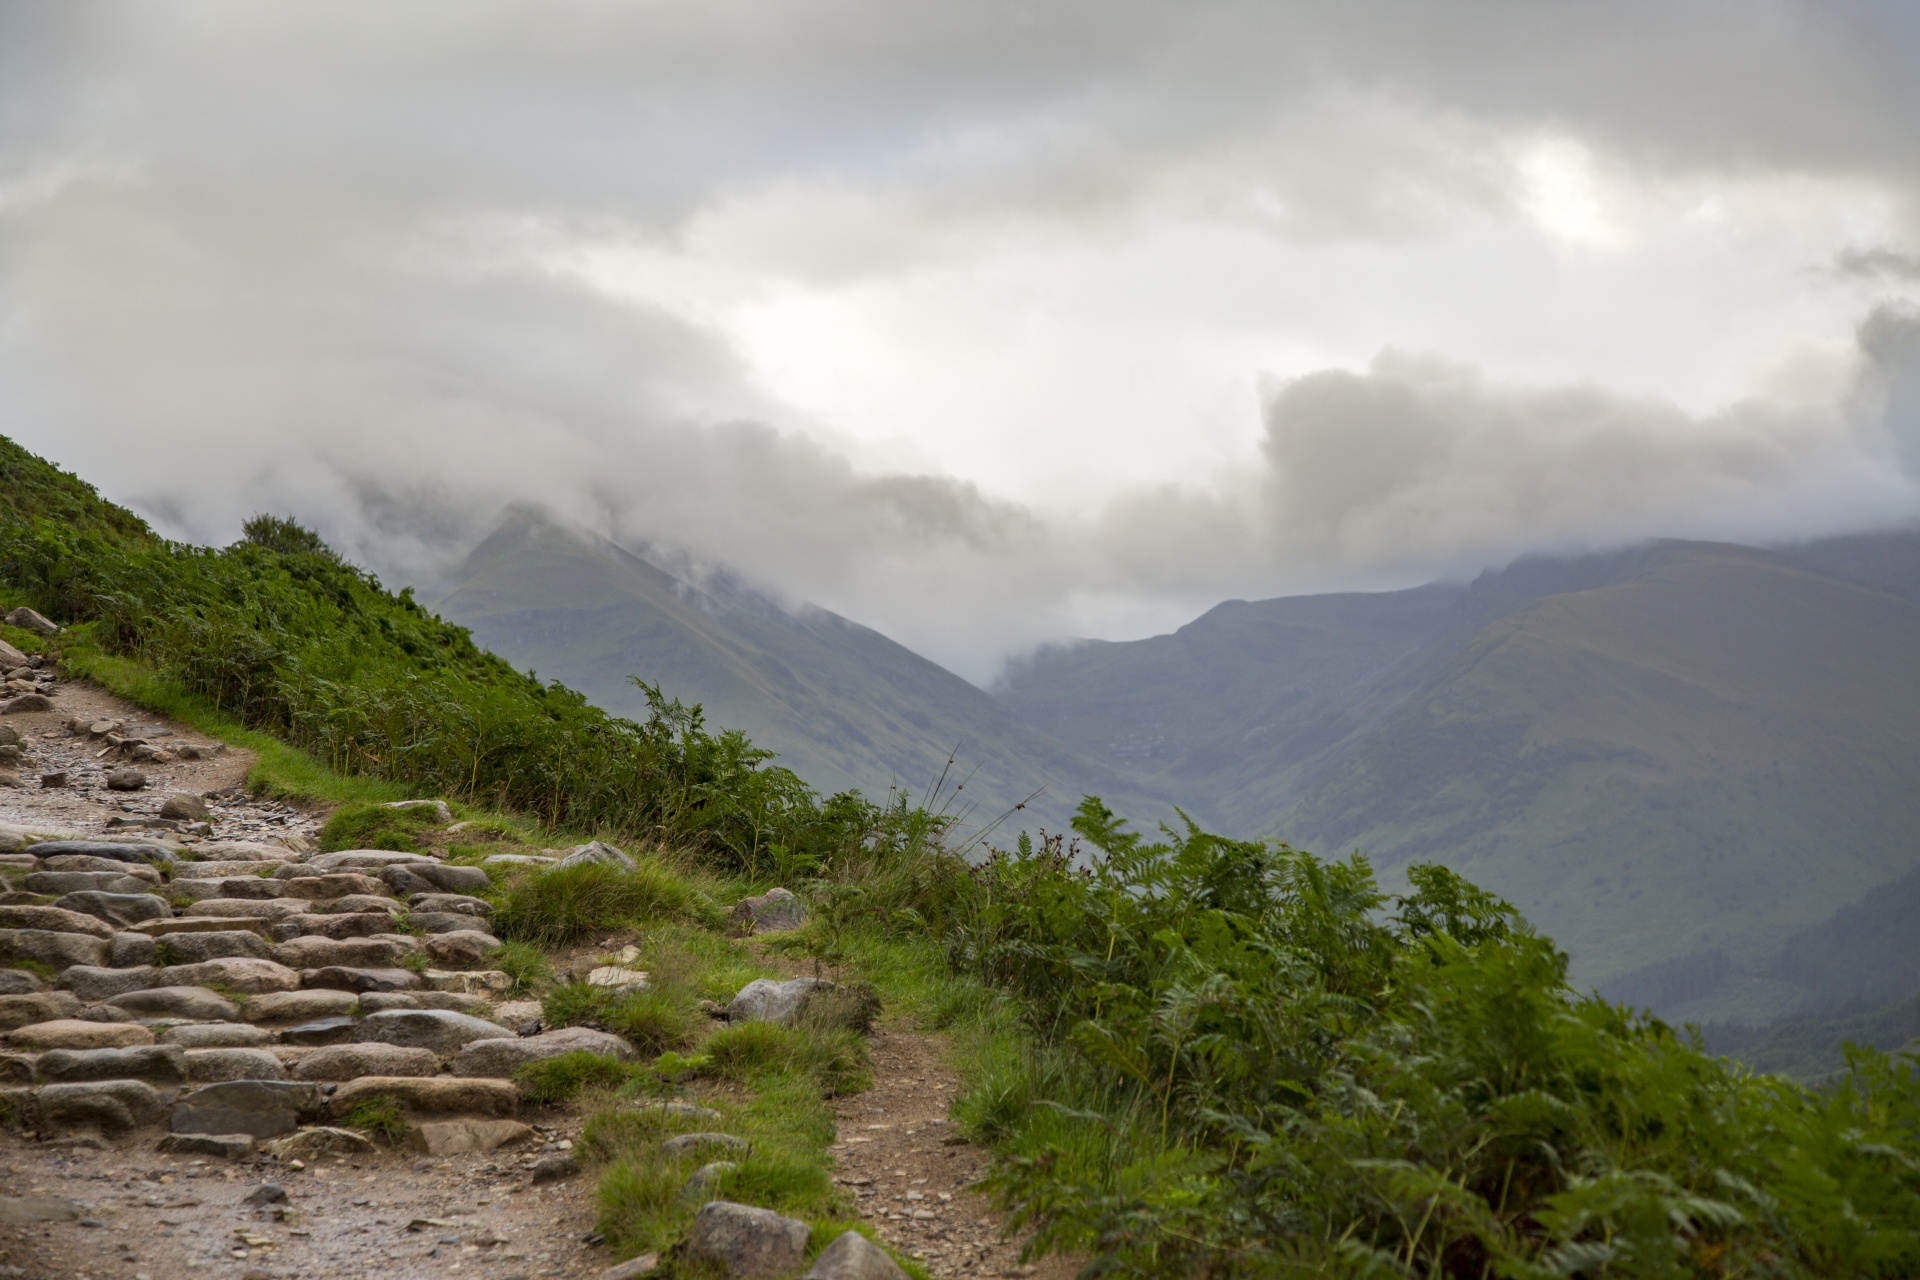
(844, 706)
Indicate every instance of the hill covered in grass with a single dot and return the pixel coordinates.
(843, 706)
(1670, 758)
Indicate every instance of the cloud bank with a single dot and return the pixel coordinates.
(985, 325)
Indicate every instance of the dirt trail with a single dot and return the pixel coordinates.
(118, 1208)
(898, 1154)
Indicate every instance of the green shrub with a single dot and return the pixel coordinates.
(559, 906)
(560, 1078)
(381, 1117)
(849, 1006)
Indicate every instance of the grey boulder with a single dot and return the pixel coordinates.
(351, 1061)
(18, 982)
(30, 620)
(58, 882)
(765, 1000)
(458, 903)
(37, 1006)
(775, 911)
(460, 949)
(426, 877)
(117, 850)
(594, 853)
(127, 950)
(257, 1108)
(854, 1257)
(447, 922)
(747, 1242)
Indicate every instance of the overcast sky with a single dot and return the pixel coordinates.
(983, 323)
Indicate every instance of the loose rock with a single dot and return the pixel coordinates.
(461, 949)
(765, 1000)
(321, 1140)
(466, 1137)
(30, 620)
(126, 778)
(775, 911)
(223, 1146)
(596, 853)
(184, 809)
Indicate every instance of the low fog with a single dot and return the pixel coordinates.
(984, 325)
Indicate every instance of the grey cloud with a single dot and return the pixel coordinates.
(239, 269)
(1879, 263)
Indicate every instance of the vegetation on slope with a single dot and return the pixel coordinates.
(1191, 1056)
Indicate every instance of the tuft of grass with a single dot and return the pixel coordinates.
(561, 1078)
(834, 1062)
(653, 1020)
(382, 1118)
(847, 1007)
(525, 964)
(560, 906)
(571, 1003)
(366, 825)
(38, 968)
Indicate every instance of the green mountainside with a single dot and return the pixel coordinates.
(1670, 759)
(842, 705)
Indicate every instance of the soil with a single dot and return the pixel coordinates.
(897, 1152)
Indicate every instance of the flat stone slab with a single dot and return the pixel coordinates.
(502, 1057)
(431, 1095)
(351, 953)
(72, 1033)
(364, 981)
(200, 924)
(362, 860)
(352, 1061)
(56, 949)
(121, 910)
(258, 1108)
(335, 884)
(460, 948)
(466, 1137)
(40, 1006)
(243, 974)
(478, 982)
(196, 1003)
(222, 1146)
(321, 1031)
(209, 1066)
(154, 1063)
(118, 850)
(300, 1006)
(63, 882)
(248, 908)
(54, 920)
(216, 944)
(441, 1030)
(216, 1035)
(350, 924)
(114, 1105)
(94, 984)
(320, 1140)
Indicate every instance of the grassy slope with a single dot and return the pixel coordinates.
(843, 705)
(1710, 755)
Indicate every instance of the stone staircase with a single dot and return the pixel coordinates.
(242, 994)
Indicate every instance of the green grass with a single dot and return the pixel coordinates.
(362, 824)
(525, 964)
(559, 906)
(280, 771)
(382, 1118)
(562, 1078)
